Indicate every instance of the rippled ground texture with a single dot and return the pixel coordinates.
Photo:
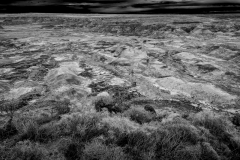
(195, 58)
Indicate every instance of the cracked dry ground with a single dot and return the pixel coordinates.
(189, 63)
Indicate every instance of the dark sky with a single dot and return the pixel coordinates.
(120, 6)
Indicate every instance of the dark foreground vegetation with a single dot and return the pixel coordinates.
(129, 132)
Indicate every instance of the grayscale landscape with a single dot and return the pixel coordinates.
(111, 86)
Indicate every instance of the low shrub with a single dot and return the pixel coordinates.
(4, 152)
(172, 137)
(185, 132)
(138, 115)
(218, 126)
(112, 105)
(189, 152)
(8, 130)
(69, 148)
(225, 138)
(47, 133)
(84, 127)
(27, 150)
(167, 142)
(56, 155)
(63, 107)
(139, 145)
(100, 151)
(29, 130)
(236, 120)
(117, 102)
(120, 124)
(208, 152)
(74, 151)
(9, 106)
(104, 102)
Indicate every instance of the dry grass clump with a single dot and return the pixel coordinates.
(166, 142)
(236, 119)
(27, 150)
(113, 105)
(189, 152)
(222, 136)
(139, 115)
(120, 124)
(84, 126)
(8, 130)
(3, 152)
(138, 145)
(167, 115)
(29, 129)
(172, 137)
(102, 102)
(184, 132)
(208, 152)
(218, 126)
(73, 150)
(63, 107)
(100, 151)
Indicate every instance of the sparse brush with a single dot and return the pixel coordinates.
(46, 118)
(236, 119)
(192, 152)
(115, 105)
(169, 116)
(103, 102)
(4, 152)
(139, 115)
(30, 130)
(208, 152)
(82, 126)
(8, 106)
(172, 137)
(69, 148)
(8, 130)
(218, 126)
(183, 131)
(223, 136)
(120, 124)
(63, 107)
(100, 151)
(47, 133)
(27, 150)
(139, 145)
(62, 143)
(74, 151)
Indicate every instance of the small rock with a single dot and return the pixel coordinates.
(103, 94)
